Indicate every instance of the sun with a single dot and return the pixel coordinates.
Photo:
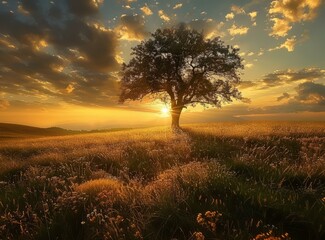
(165, 111)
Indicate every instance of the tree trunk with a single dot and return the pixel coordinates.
(176, 113)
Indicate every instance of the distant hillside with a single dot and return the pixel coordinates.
(8, 130)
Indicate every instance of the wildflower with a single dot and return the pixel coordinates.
(199, 218)
(138, 234)
(199, 236)
(209, 214)
(271, 236)
(213, 226)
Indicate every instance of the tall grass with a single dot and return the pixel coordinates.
(213, 181)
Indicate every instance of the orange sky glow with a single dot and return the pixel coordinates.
(59, 61)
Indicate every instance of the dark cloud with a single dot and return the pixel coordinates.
(95, 45)
(55, 12)
(23, 32)
(309, 97)
(65, 56)
(33, 8)
(283, 96)
(131, 27)
(311, 93)
(288, 76)
(100, 50)
(98, 89)
(246, 84)
(84, 7)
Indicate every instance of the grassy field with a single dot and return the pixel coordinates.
(252, 180)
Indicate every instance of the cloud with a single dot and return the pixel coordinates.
(286, 12)
(209, 27)
(146, 10)
(311, 93)
(295, 11)
(288, 76)
(128, 1)
(84, 7)
(246, 84)
(178, 5)
(4, 104)
(55, 12)
(253, 15)
(237, 30)
(236, 9)
(163, 16)
(21, 31)
(94, 44)
(131, 27)
(249, 65)
(283, 96)
(309, 97)
(280, 27)
(70, 88)
(230, 16)
(65, 56)
(289, 44)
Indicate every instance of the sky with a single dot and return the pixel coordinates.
(60, 59)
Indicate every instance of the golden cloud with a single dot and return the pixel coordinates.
(280, 27)
(289, 44)
(237, 30)
(230, 16)
(179, 5)
(252, 15)
(69, 88)
(146, 10)
(291, 11)
(238, 10)
(249, 65)
(163, 16)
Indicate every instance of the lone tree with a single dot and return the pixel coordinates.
(181, 67)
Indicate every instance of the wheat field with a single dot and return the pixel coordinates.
(249, 180)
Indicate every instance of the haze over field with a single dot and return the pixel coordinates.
(59, 60)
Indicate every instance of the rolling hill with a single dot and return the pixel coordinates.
(8, 130)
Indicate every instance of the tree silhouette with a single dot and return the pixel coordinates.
(180, 66)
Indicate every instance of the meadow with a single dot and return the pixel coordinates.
(249, 180)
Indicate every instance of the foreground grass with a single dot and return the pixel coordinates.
(214, 181)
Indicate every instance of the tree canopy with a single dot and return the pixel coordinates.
(180, 66)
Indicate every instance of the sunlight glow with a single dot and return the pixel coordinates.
(165, 111)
